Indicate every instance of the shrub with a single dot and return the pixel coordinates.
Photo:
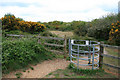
(10, 22)
(99, 28)
(81, 29)
(22, 52)
(114, 34)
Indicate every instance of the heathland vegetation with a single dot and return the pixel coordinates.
(23, 51)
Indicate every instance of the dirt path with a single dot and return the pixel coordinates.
(40, 70)
(62, 34)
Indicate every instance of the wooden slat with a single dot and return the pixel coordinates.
(14, 35)
(110, 56)
(55, 51)
(111, 65)
(54, 45)
(51, 38)
(110, 46)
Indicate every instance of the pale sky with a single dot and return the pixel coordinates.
(61, 10)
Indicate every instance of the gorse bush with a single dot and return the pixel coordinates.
(10, 22)
(81, 29)
(114, 34)
(100, 28)
(19, 53)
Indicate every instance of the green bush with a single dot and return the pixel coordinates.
(22, 52)
(81, 29)
(100, 28)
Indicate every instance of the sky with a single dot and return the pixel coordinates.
(60, 10)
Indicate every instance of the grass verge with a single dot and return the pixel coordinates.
(71, 72)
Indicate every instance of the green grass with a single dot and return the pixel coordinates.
(112, 51)
(80, 73)
(112, 61)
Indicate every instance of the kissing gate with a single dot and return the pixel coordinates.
(84, 53)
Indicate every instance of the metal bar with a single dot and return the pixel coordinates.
(69, 48)
(70, 51)
(89, 56)
(78, 58)
(93, 57)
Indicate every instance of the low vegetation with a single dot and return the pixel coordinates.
(71, 72)
(22, 52)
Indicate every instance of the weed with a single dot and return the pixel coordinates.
(31, 68)
(56, 75)
(18, 75)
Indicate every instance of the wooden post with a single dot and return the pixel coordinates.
(65, 44)
(39, 39)
(100, 56)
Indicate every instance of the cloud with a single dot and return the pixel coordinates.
(63, 10)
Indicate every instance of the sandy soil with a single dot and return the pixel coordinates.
(62, 34)
(40, 70)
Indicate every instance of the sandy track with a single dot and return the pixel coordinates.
(62, 34)
(40, 70)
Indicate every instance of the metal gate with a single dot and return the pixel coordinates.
(84, 53)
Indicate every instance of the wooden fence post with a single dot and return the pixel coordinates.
(39, 39)
(100, 56)
(65, 44)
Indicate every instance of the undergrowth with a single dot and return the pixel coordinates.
(19, 53)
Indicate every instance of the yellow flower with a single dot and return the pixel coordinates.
(116, 30)
(113, 26)
(117, 21)
(112, 32)
(2, 18)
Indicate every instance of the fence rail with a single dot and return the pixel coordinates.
(101, 62)
(110, 46)
(116, 67)
(50, 38)
(110, 56)
(49, 44)
(55, 45)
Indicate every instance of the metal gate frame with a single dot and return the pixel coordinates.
(94, 51)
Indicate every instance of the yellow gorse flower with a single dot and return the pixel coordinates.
(116, 30)
(113, 26)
